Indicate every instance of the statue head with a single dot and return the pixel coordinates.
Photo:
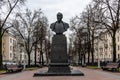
(59, 27)
(59, 16)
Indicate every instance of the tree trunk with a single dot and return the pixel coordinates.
(46, 51)
(42, 59)
(89, 41)
(114, 46)
(84, 59)
(28, 59)
(88, 57)
(92, 56)
(89, 48)
(1, 49)
(47, 58)
(41, 55)
(79, 58)
(35, 54)
(92, 51)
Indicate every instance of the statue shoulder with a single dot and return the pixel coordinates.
(52, 25)
(66, 24)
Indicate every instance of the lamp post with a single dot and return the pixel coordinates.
(35, 46)
(98, 53)
(24, 63)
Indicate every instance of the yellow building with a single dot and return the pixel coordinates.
(9, 44)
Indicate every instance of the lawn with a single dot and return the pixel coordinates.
(2, 71)
(95, 67)
(92, 67)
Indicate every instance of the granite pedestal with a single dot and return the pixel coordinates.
(59, 65)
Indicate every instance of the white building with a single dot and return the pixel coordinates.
(104, 44)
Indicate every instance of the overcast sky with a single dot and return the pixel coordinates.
(69, 8)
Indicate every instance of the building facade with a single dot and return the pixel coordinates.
(9, 47)
(103, 47)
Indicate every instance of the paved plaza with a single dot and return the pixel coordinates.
(90, 74)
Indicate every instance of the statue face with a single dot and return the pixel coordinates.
(59, 17)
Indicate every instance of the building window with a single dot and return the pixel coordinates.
(13, 40)
(10, 40)
(11, 48)
(118, 47)
(20, 56)
(10, 54)
(3, 44)
(25, 56)
(118, 55)
(31, 61)
(118, 38)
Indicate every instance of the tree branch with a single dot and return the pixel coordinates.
(9, 14)
(108, 4)
(5, 30)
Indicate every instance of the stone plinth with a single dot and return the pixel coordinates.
(59, 49)
(59, 65)
(58, 56)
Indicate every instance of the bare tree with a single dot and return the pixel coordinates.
(47, 44)
(26, 27)
(10, 5)
(74, 23)
(109, 11)
(85, 19)
(47, 49)
(79, 30)
(40, 34)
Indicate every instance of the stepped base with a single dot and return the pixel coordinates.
(46, 73)
(59, 68)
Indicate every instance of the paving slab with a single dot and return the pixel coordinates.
(90, 74)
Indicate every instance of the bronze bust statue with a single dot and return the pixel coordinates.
(59, 26)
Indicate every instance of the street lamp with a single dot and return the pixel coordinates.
(24, 63)
(98, 53)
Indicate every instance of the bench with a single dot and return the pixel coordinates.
(13, 68)
(111, 66)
